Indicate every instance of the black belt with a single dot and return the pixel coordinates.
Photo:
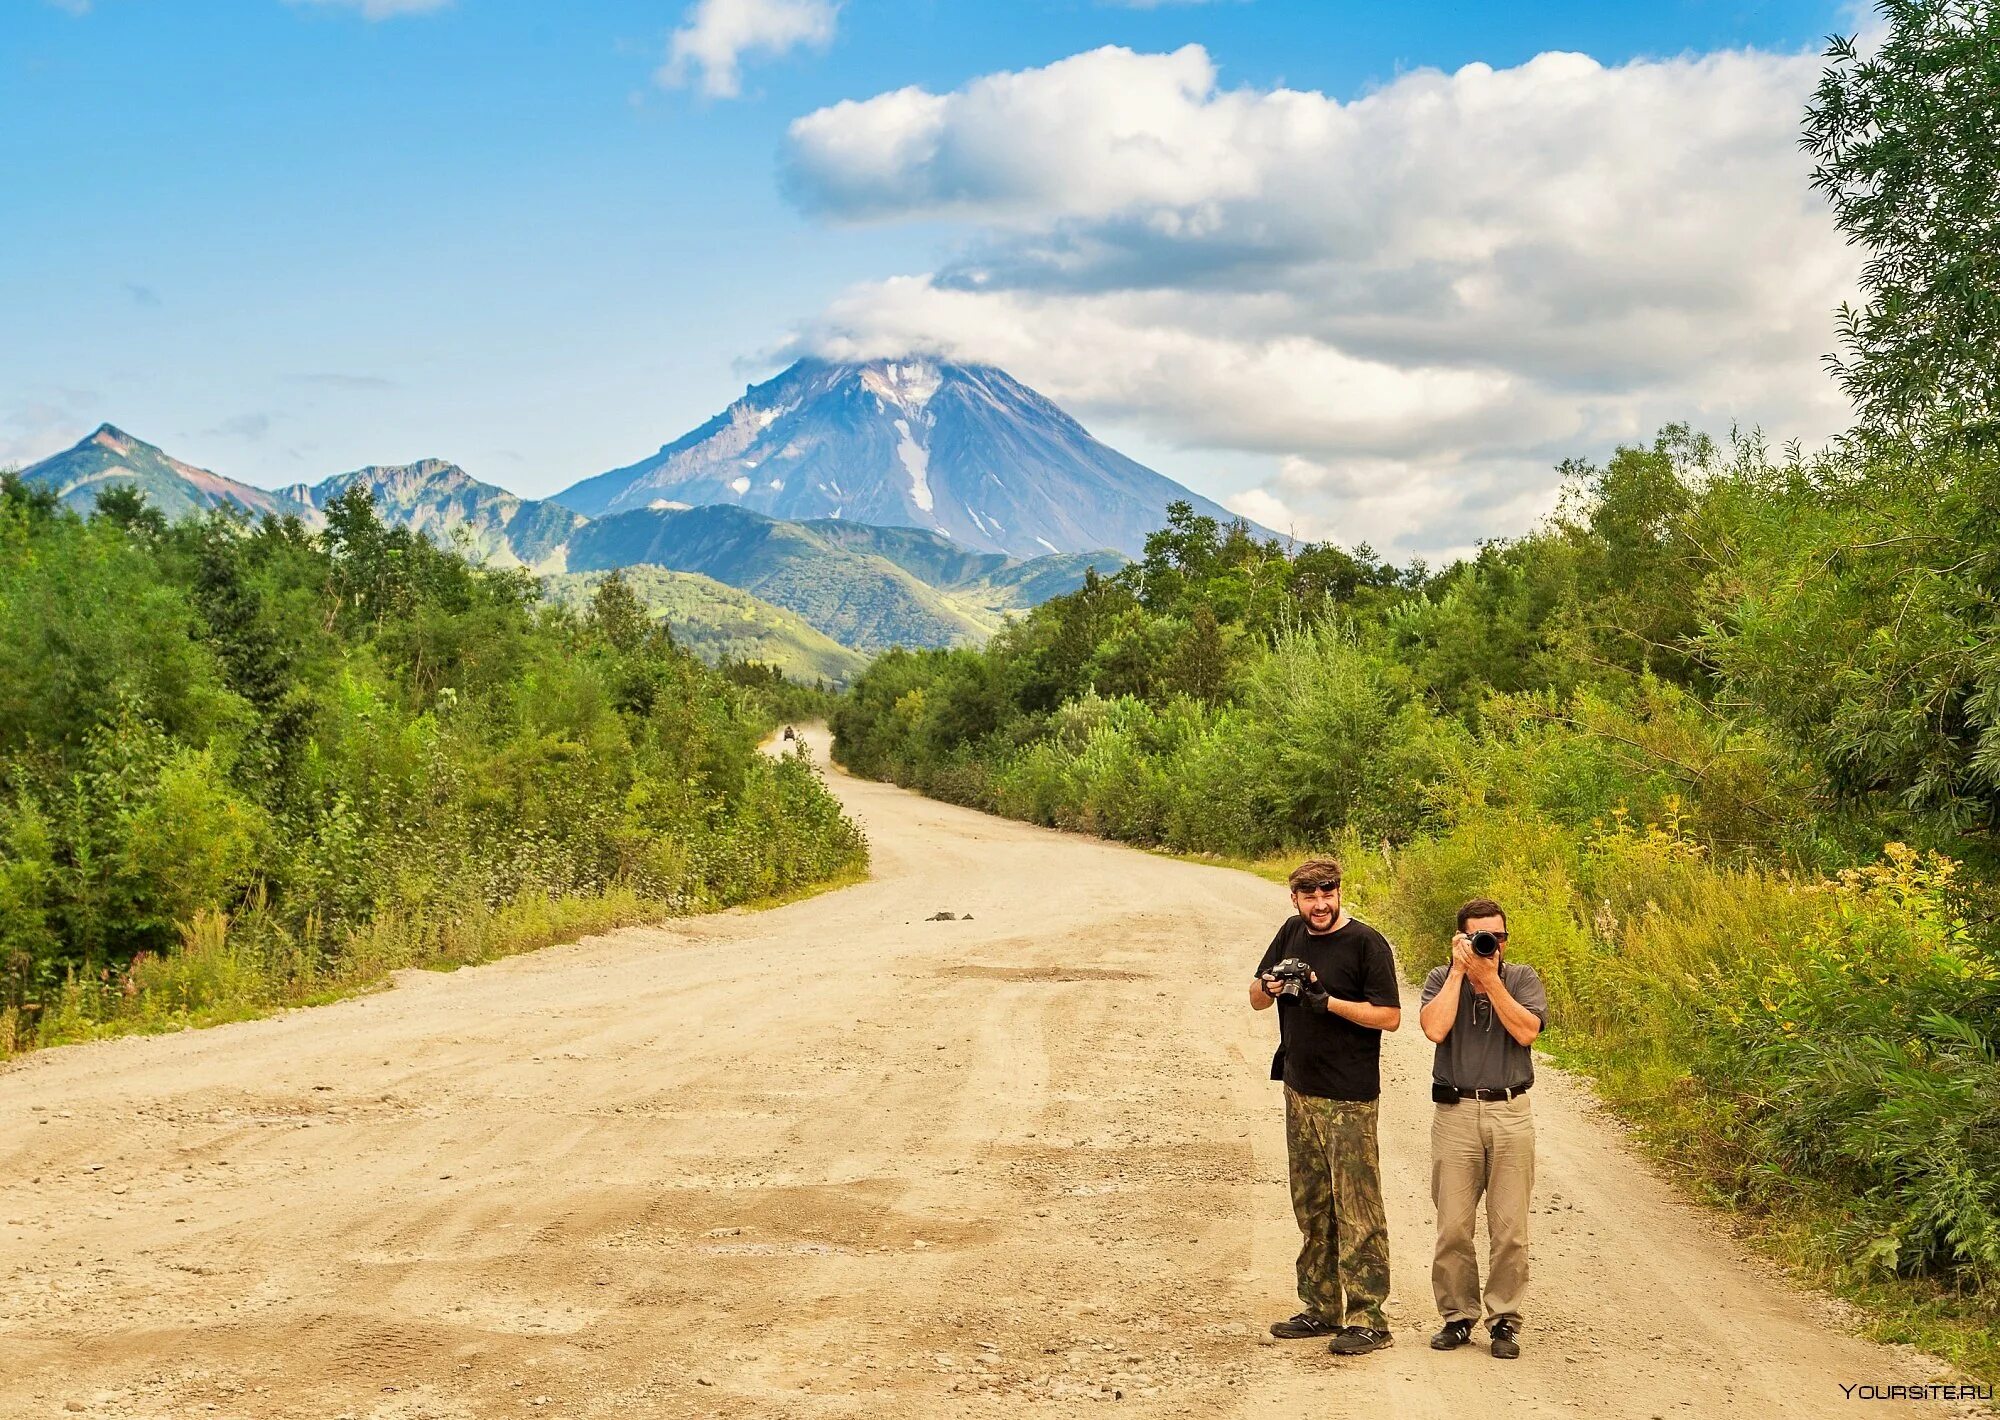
(1494, 1094)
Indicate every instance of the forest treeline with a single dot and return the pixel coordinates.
(243, 766)
(1723, 733)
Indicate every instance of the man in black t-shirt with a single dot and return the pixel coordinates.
(1330, 1060)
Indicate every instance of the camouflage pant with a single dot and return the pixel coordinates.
(1337, 1198)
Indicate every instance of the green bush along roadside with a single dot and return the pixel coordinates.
(244, 766)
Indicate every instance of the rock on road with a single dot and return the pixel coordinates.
(830, 1159)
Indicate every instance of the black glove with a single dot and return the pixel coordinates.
(1314, 996)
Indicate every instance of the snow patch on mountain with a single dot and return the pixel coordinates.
(917, 460)
(740, 484)
(909, 384)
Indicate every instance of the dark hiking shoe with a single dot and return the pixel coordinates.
(1359, 1341)
(1302, 1327)
(1504, 1344)
(1454, 1335)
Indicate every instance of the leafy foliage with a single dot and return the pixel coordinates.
(1907, 142)
(304, 742)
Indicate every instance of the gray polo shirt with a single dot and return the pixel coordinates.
(1479, 1054)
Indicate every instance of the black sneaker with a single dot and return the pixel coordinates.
(1504, 1344)
(1360, 1340)
(1302, 1327)
(1454, 1335)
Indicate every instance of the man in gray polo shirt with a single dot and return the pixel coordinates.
(1483, 1012)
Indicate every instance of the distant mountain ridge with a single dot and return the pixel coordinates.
(108, 457)
(444, 502)
(436, 498)
(862, 587)
(963, 450)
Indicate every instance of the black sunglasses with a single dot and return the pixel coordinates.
(1308, 889)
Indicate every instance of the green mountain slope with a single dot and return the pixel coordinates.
(991, 581)
(928, 556)
(110, 457)
(860, 600)
(714, 621)
(1021, 585)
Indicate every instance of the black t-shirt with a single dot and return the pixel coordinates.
(1327, 1055)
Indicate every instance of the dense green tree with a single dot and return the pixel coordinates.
(617, 614)
(1864, 622)
(1907, 143)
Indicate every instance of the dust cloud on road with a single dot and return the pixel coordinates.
(833, 1159)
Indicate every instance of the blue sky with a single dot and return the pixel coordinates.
(286, 239)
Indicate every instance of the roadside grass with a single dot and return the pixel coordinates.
(224, 971)
(1700, 1001)
(851, 876)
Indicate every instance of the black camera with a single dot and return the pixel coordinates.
(1291, 974)
(1486, 944)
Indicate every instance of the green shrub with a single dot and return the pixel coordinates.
(239, 766)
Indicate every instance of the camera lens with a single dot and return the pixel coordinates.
(1485, 943)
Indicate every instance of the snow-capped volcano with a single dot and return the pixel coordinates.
(964, 450)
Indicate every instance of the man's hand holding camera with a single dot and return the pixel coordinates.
(1481, 968)
(1475, 957)
(1303, 989)
(1303, 985)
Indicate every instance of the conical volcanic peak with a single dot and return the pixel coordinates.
(963, 450)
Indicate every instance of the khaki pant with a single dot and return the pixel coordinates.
(1337, 1199)
(1482, 1147)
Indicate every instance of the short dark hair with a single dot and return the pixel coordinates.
(1481, 907)
(1315, 870)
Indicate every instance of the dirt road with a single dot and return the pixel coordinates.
(828, 1160)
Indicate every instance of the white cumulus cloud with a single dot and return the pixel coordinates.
(1408, 304)
(715, 35)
